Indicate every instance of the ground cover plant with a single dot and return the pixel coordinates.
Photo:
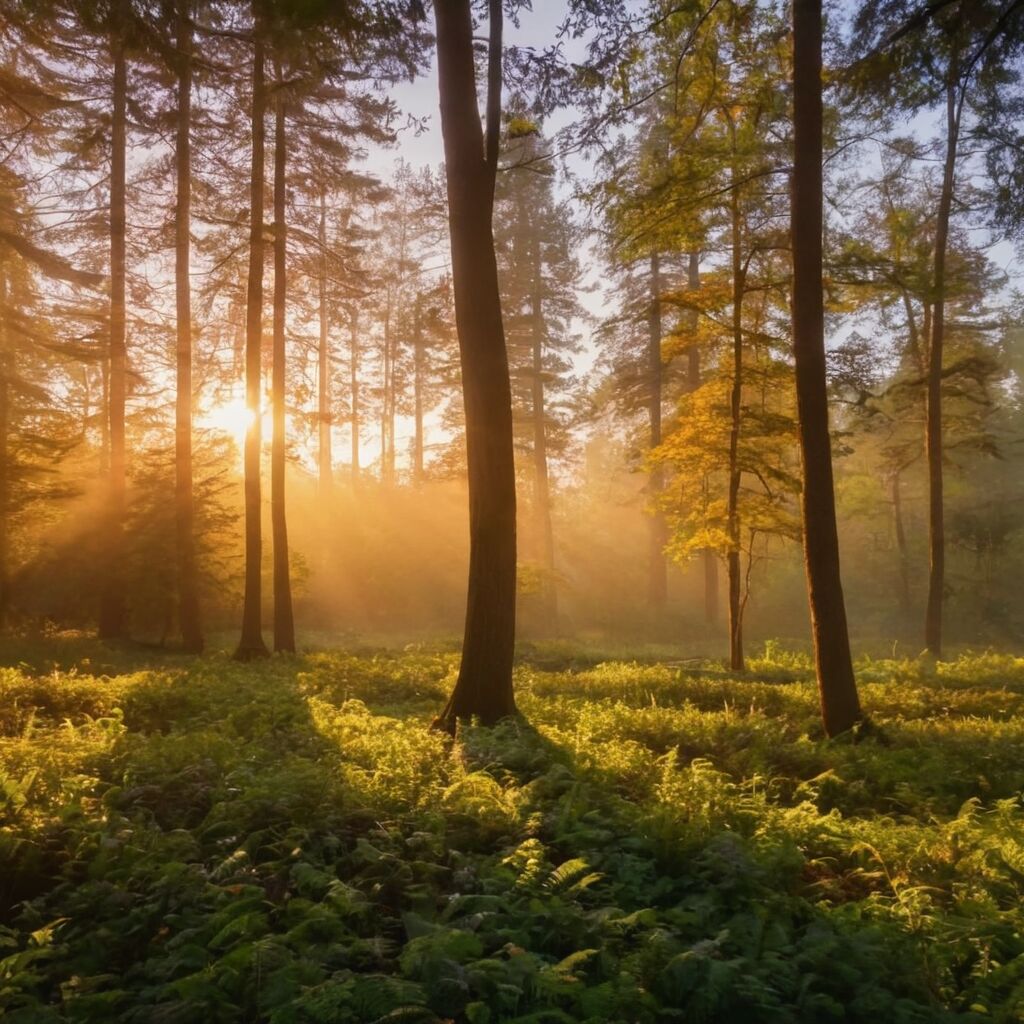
(204, 841)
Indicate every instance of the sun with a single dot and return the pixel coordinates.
(233, 418)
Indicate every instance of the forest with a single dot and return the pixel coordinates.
(511, 511)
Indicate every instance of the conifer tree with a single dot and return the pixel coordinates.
(188, 573)
(251, 644)
(951, 55)
(537, 242)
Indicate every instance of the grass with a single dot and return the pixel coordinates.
(198, 841)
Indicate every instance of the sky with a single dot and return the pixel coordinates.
(419, 99)
(539, 28)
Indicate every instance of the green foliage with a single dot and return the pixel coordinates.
(289, 842)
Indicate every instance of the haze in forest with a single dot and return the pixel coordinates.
(625, 318)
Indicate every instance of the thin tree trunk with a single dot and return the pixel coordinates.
(386, 417)
(188, 580)
(6, 372)
(284, 622)
(657, 576)
(251, 643)
(325, 463)
(484, 686)
(105, 413)
(693, 351)
(901, 540)
(419, 360)
(86, 400)
(736, 660)
(913, 337)
(541, 482)
(112, 607)
(709, 560)
(354, 389)
(933, 420)
(840, 705)
(392, 403)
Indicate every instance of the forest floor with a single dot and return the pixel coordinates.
(194, 842)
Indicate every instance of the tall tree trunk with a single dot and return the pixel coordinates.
(6, 373)
(387, 420)
(112, 608)
(325, 463)
(251, 643)
(913, 337)
(933, 420)
(188, 577)
(709, 560)
(736, 660)
(693, 352)
(419, 368)
(484, 686)
(105, 413)
(354, 390)
(901, 539)
(840, 705)
(657, 573)
(284, 622)
(541, 482)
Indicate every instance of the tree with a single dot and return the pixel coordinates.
(284, 622)
(705, 458)
(837, 688)
(538, 240)
(251, 643)
(882, 272)
(920, 56)
(112, 606)
(484, 685)
(38, 366)
(188, 579)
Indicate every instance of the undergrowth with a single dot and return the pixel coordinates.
(202, 842)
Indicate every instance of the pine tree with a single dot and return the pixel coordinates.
(540, 274)
(919, 58)
(251, 643)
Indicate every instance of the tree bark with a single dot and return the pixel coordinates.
(657, 576)
(105, 413)
(387, 415)
(914, 338)
(284, 621)
(733, 556)
(419, 369)
(354, 390)
(484, 685)
(840, 705)
(188, 578)
(709, 560)
(693, 352)
(933, 415)
(112, 607)
(6, 373)
(325, 462)
(541, 481)
(901, 540)
(251, 644)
